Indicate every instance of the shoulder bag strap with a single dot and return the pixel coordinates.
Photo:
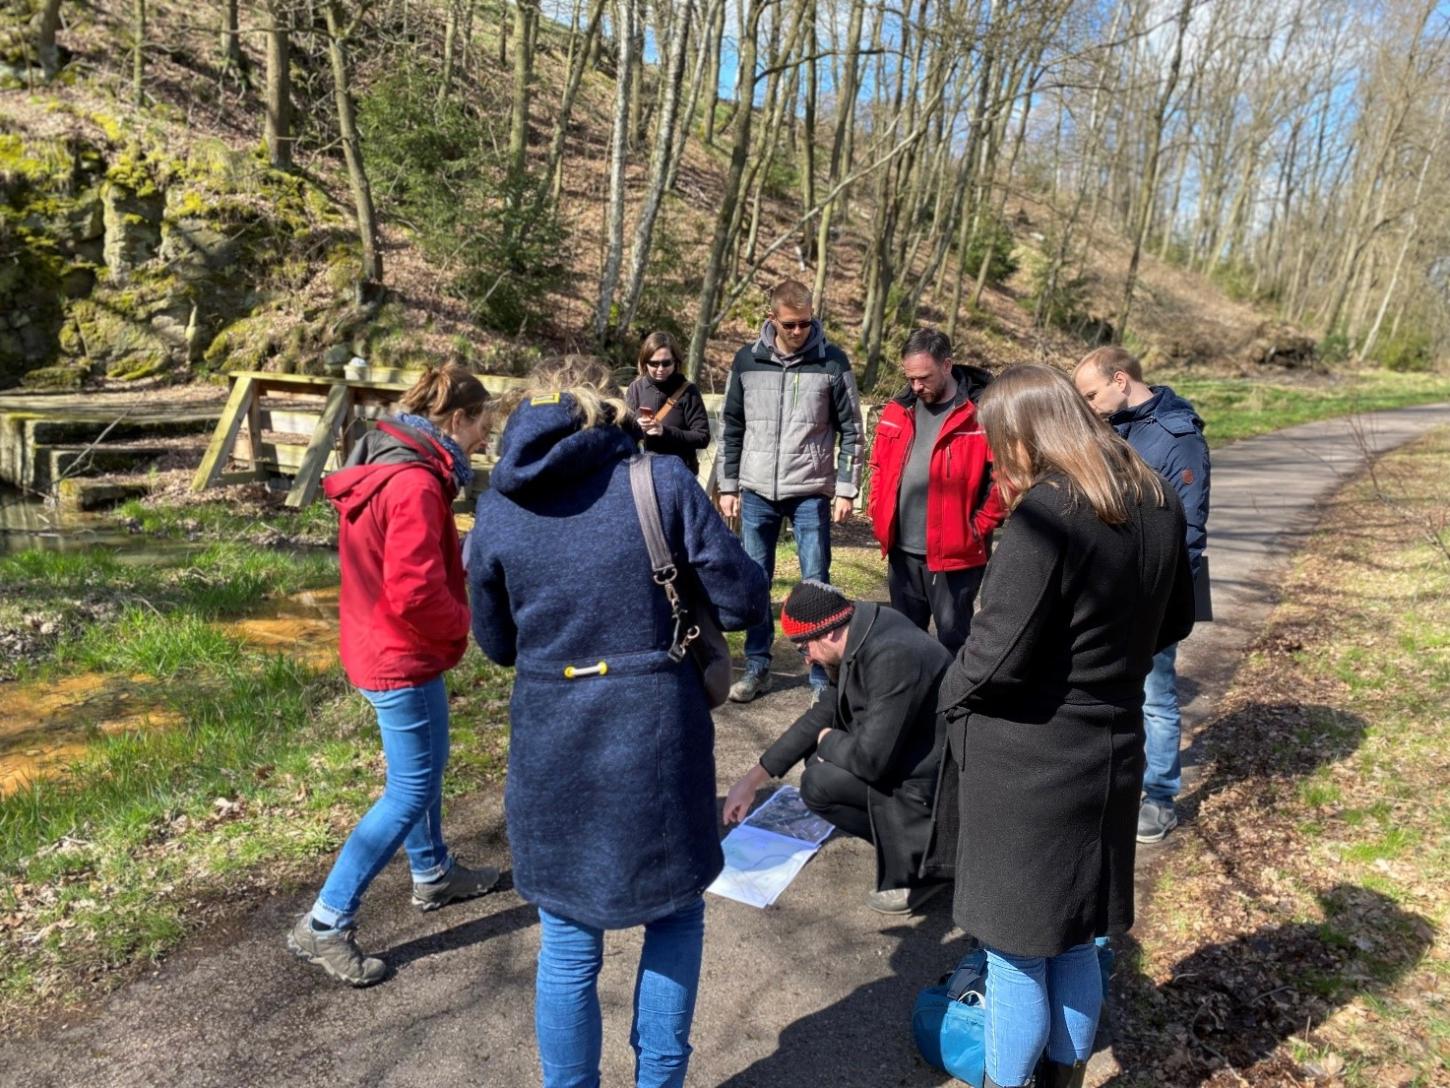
(641, 483)
(646, 505)
(664, 409)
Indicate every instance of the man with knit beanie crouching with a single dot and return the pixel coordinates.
(872, 746)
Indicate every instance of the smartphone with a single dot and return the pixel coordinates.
(645, 414)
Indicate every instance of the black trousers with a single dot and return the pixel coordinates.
(923, 595)
(836, 796)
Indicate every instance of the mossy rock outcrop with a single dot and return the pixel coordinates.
(127, 261)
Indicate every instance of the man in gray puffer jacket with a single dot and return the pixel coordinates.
(791, 401)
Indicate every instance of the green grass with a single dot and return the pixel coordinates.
(1235, 408)
(106, 607)
(1360, 846)
(315, 523)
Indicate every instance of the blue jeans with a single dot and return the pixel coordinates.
(1162, 724)
(414, 725)
(567, 1017)
(1035, 1002)
(760, 521)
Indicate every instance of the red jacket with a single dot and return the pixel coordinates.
(403, 607)
(962, 503)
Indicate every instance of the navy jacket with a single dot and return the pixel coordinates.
(611, 792)
(1168, 434)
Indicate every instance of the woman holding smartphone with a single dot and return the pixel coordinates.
(669, 408)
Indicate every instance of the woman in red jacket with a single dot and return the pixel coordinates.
(404, 621)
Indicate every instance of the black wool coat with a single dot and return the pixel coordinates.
(885, 730)
(1045, 721)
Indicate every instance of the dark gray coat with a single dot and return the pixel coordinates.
(1044, 704)
(885, 731)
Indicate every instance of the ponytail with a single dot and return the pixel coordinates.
(441, 391)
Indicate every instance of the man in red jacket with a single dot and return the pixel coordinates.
(933, 504)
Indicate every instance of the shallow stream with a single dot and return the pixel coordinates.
(47, 723)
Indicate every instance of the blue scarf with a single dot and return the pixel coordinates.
(462, 470)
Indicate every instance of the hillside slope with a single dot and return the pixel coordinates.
(155, 244)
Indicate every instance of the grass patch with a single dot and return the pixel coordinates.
(88, 609)
(1235, 408)
(314, 524)
(1319, 843)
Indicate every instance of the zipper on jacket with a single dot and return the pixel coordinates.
(779, 426)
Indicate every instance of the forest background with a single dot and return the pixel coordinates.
(288, 184)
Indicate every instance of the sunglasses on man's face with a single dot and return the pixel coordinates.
(794, 326)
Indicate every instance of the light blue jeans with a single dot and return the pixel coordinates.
(567, 1018)
(1037, 1002)
(1162, 727)
(760, 522)
(414, 725)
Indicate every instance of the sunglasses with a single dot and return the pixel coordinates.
(657, 364)
(793, 326)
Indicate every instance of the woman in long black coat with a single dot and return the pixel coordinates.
(1044, 703)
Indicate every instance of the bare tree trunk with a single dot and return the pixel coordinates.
(231, 39)
(720, 243)
(526, 13)
(450, 47)
(712, 79)
(1410, 231)
(845, 120)
(362, 197)
(624, 32)
(278, 131)
(808, 145)
(553, 168)
(659, 167)
(1150, 171)
(138, 53)
(45, 48)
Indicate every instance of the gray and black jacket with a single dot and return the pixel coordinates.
(781, 419)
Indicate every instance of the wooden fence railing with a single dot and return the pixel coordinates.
(304, 427)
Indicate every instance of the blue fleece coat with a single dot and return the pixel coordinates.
(611, 781)
(1168, 434)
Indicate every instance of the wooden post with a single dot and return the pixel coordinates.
(224, 438)
(324, 438)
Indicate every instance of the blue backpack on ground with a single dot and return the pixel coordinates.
(949, 1020)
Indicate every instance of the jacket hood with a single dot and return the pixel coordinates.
(543, 447)
(813, 348)
(1164, 406)
(973, 379)
(385, 451)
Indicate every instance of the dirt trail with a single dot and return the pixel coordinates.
(815, 991)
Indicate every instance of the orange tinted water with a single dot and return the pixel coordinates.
(47, 724)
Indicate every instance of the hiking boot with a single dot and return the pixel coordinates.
(1155, 820)
(336, 952)
(901, 900)
(460, 882)
(1052, 1074)
(749, 686)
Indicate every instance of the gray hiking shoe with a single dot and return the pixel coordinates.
(749, 686)
(901, 900)
(336, 952)
(460, 882)
(1155, 821)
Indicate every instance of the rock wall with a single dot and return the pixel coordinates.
(123, 261)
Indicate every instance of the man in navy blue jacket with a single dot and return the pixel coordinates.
(1168, 434)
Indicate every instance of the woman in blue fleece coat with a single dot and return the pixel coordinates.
(611, 780)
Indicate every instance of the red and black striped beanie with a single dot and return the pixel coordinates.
(814, 609)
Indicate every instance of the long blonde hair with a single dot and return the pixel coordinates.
(597, 399)
(1037, 423)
